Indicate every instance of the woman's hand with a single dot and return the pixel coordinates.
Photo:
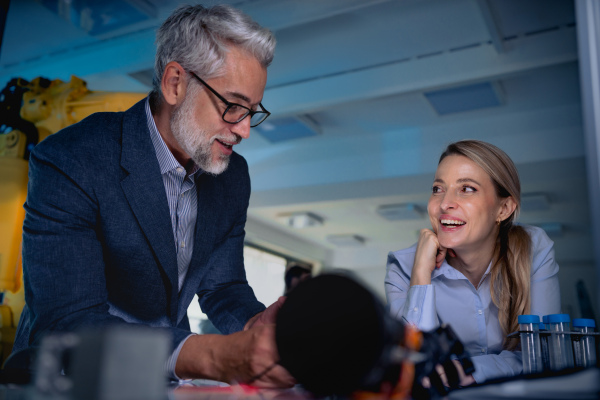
(429, 256)
(463, 379)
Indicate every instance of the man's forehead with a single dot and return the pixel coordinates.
(244, 78)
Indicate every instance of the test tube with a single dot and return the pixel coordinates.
(584, 346)
(530, 343)
(544, 345)
(561, 349)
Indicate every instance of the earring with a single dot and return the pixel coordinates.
(498, 222)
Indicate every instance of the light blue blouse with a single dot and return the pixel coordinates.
(452, 299)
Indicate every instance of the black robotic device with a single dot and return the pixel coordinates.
(335, 337)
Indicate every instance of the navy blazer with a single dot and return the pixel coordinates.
(98, 244)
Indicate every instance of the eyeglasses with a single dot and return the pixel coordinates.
(234, 112)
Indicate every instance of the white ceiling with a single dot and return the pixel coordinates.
(359, 69)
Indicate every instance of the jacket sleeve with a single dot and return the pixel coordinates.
(63, 254)
(413, 304)
(224, 293)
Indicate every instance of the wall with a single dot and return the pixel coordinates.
(569, 275)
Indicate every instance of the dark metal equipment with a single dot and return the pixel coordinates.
(335, 337)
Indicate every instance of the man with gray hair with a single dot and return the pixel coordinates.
(128, 215)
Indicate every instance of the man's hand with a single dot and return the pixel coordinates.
(248, 356)
(268, 316)
(266, 372)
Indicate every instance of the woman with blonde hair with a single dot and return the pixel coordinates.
(475, 270)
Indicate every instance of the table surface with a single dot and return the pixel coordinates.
(576, 384)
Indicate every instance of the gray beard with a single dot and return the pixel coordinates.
(194, 141)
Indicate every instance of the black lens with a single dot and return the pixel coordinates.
(330, 334)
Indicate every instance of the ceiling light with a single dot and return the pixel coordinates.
(349, 240)
(398, 212)
(465, 98)
(301, 220)
(277, 130)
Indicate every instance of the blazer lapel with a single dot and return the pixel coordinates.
(145, 192)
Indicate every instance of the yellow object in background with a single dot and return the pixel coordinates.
(45, 108)
(13, 184)
(13, 181)
(53, 105)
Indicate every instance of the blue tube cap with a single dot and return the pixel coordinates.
(529, 319)
(581, 322)
(542, 326)
(558, 318)
(545, 319)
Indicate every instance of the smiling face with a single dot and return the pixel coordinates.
(197, 123)
(464, 207)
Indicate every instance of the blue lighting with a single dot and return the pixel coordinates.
(283, 129)
(98, 16)
(464, 98)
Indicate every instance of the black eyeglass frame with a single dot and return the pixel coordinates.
(229, 104)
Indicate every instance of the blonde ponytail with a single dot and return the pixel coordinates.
(510, 283)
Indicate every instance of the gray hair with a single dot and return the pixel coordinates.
(198, 38)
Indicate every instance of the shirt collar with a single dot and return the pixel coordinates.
(166, 160)
(450, 272)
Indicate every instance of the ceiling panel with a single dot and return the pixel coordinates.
(359, 71)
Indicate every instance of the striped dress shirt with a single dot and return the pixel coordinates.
(182, 197)
(183, 205)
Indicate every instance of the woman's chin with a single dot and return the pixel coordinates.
(448, 244)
